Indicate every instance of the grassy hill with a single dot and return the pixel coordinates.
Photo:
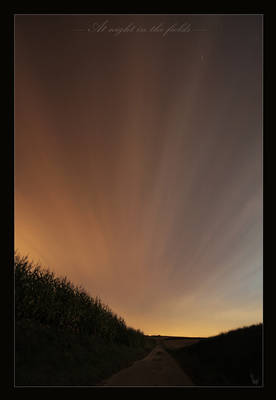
(65, 337)
(229, 359)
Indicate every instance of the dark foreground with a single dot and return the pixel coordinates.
(230, 359)
(47, 357)
(64, 337)
(157, 369)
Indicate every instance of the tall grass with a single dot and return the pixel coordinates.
(230, 358)
(63, 336)
(54, 301)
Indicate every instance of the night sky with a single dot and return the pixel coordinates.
(138, 163)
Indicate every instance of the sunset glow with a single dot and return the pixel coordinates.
(138, 164)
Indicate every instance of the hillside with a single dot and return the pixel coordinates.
(229, 359)
(63, 336)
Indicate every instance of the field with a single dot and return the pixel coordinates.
(63, 336)
(233, 358)
(171, 343)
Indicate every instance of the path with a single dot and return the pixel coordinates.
(157, 369)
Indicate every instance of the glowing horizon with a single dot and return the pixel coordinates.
(138, 165)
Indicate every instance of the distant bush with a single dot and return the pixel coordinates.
(231, 358)
(56, 302)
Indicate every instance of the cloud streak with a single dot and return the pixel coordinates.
(138, 166)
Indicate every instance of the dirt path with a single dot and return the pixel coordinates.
(157, 369)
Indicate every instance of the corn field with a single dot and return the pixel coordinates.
(56, 302)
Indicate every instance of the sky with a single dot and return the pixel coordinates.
(138, 163)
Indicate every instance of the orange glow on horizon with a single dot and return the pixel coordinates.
(138, 166)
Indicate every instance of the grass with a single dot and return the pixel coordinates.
(229, 359)
(46, 357)
(63, 336)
